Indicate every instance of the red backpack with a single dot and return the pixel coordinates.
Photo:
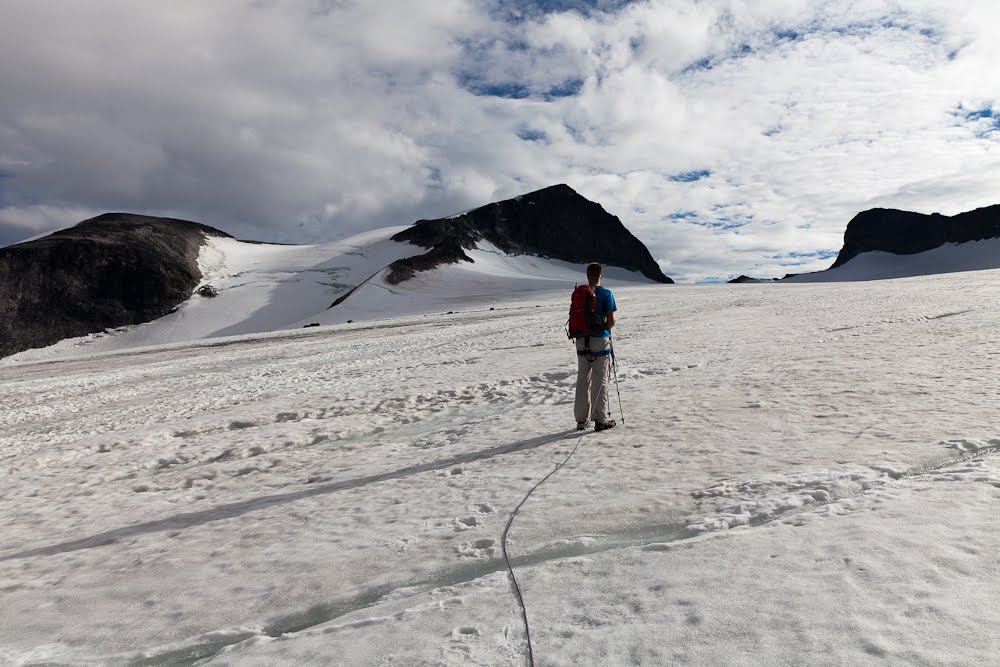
(584, 319)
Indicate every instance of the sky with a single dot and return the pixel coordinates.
(731, 136)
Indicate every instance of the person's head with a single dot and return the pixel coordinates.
(594, 272)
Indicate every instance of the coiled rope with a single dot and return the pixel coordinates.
(506, 556)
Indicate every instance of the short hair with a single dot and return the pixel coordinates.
(594, 271)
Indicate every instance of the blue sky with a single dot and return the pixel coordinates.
(731, 136)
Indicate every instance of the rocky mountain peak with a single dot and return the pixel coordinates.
(554, 222)
(906, 233)
(112, 270)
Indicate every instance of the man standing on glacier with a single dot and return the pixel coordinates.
(591, 316)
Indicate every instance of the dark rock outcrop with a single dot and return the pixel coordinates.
(555, 222)
(748, 279)
(207, 291)
(445, 251)
(113, 270)
(906, 233)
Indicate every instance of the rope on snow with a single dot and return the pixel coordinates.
(506, 556)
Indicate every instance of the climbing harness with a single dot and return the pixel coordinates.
(592, 354)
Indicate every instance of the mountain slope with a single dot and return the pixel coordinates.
(888, 243)
(264, 287)
(553, 222)
(112, 270)
(880, 265)
(907, 233)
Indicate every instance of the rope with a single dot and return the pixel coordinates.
(506, 557)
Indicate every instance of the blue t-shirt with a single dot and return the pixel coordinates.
(605, 305)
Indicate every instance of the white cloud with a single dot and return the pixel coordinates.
(22, 223)
(290, 121)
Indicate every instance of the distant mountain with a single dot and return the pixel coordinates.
(883, 243)
(555, 222)
(739, 280)
(120, 281)
(906, 233)
(112, 270)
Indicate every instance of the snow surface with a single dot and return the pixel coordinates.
(807, 474)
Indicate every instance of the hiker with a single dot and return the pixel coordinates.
(592, 314)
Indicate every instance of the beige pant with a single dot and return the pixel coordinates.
(592, 382)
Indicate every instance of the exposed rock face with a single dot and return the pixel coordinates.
(113, 270)
(748, 279)
(207, 291)
(445, 251)
(906, 233)
(555, 222)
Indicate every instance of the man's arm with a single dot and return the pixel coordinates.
(611, 318)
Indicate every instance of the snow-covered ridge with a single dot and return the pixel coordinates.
(265, 287)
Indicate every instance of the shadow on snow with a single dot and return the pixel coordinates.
(231, 510)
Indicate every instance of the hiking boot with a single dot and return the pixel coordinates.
(604, 426)
(582, 426)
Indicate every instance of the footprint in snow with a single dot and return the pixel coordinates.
(466, 632)
(484, 548)
(963, 445)
(239, 425)
(465, 523)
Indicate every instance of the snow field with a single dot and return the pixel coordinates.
(807, 474)
(267, 288)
